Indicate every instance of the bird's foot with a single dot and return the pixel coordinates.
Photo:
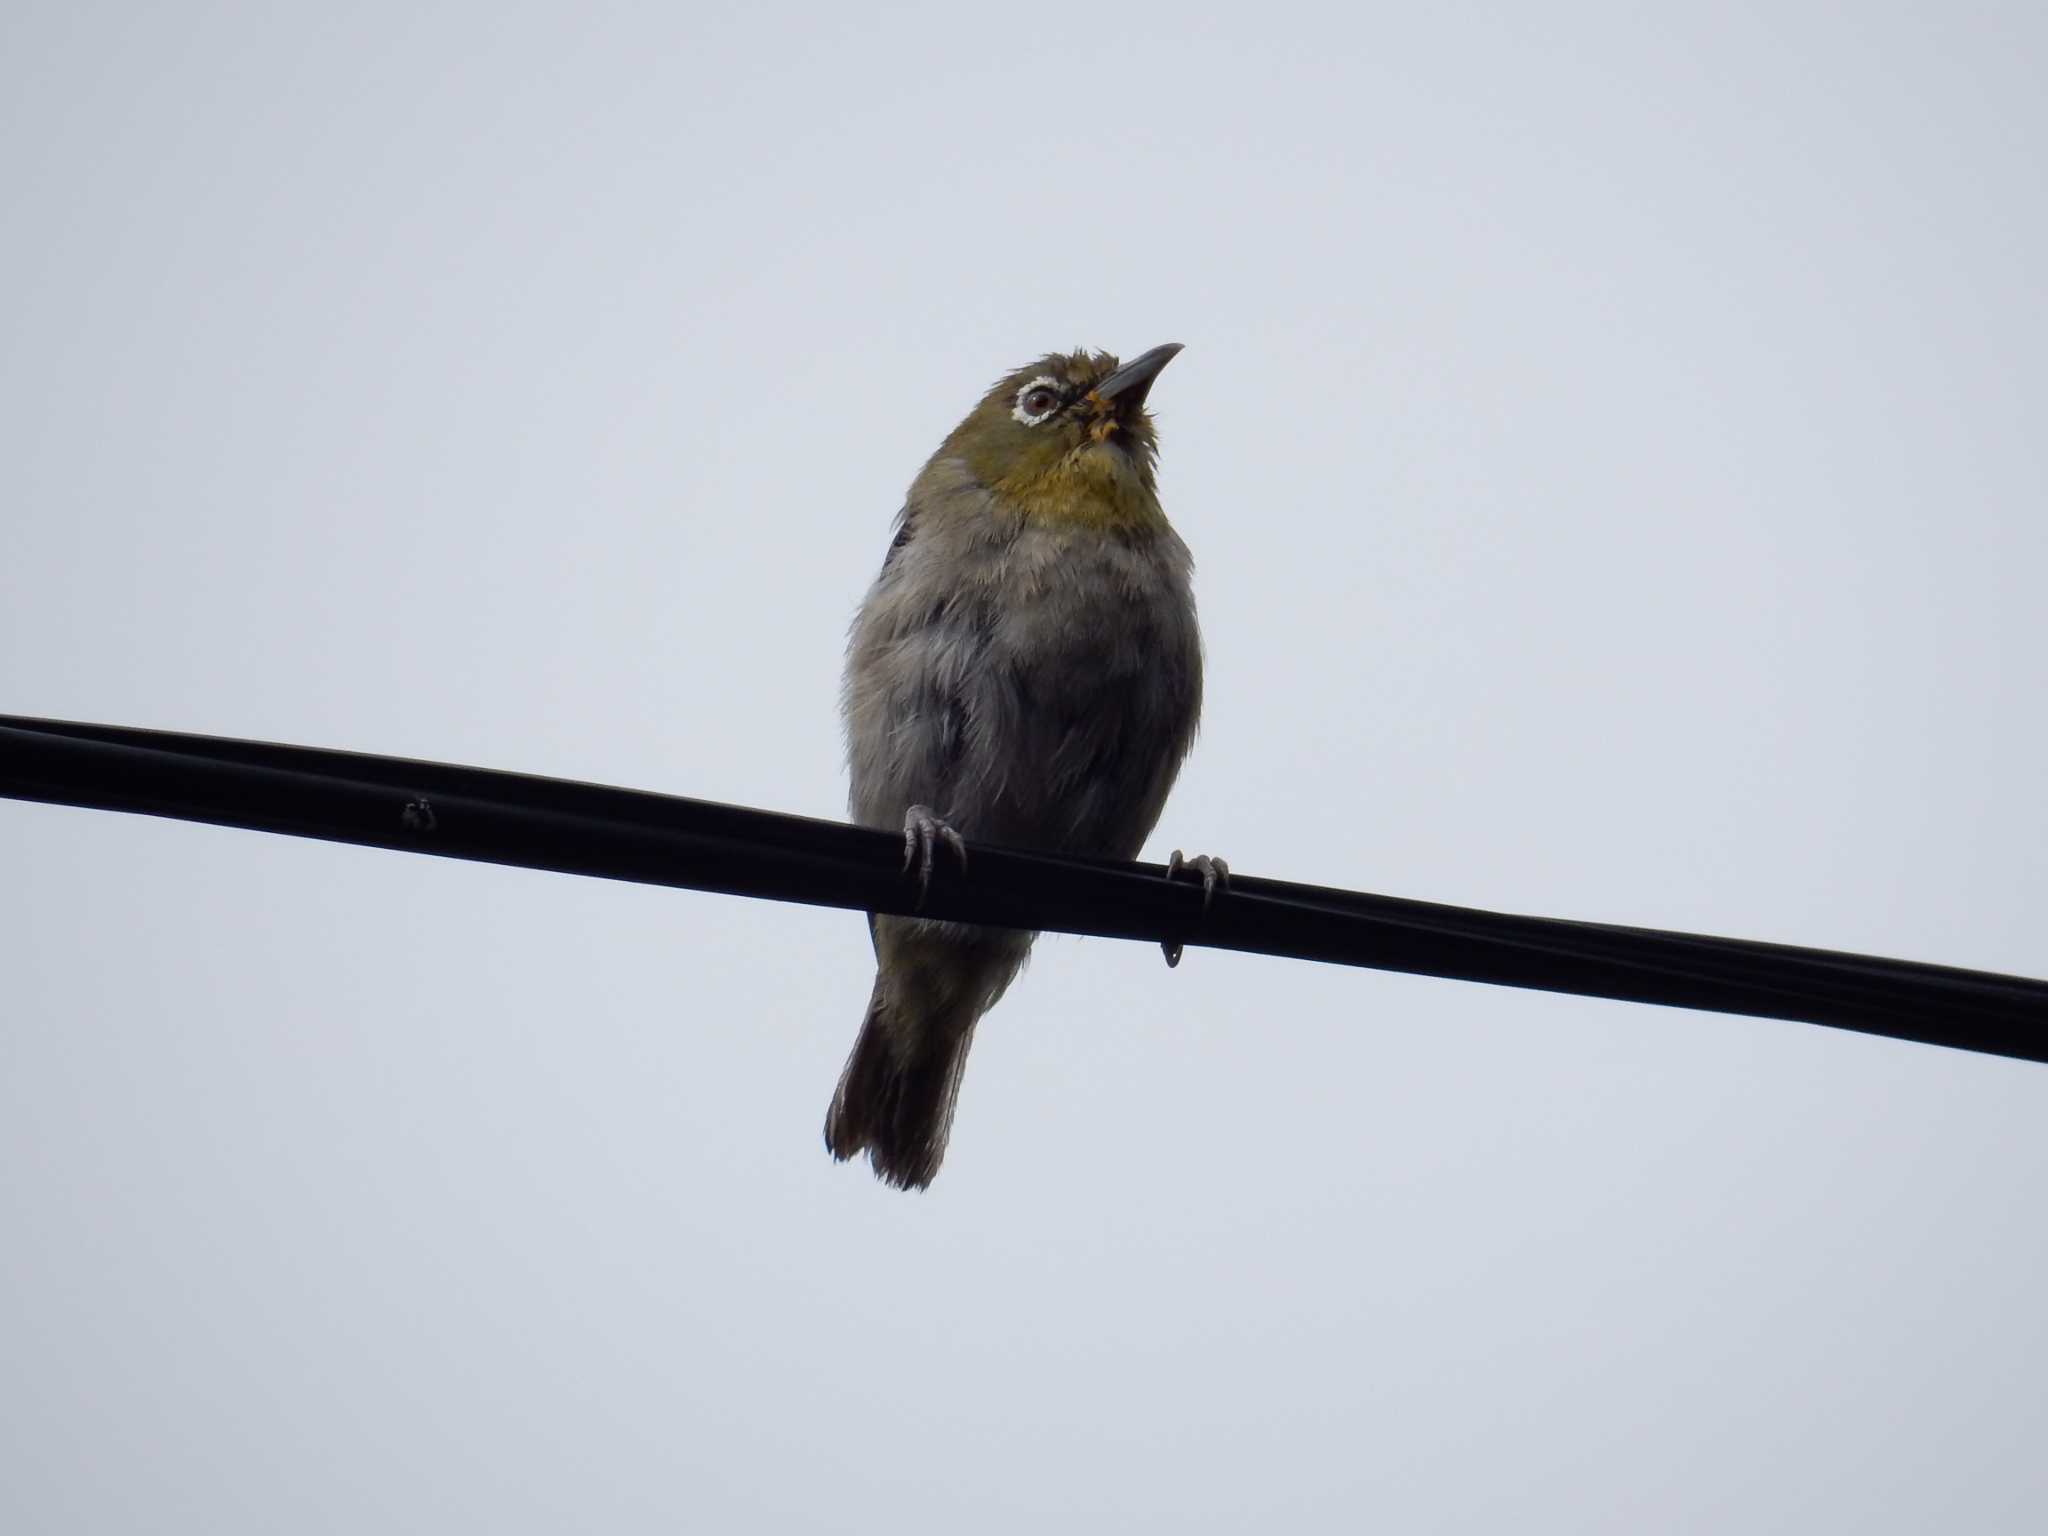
(923, 831)
(1215, 874)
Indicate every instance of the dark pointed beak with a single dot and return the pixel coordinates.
(1129, 385)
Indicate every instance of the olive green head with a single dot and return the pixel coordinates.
(1068, 438)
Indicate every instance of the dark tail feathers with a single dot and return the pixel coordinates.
(895, 1098)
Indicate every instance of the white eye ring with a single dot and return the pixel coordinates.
(1031, 418)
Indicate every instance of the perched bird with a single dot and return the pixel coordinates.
(1025, 670)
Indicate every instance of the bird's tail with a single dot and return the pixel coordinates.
(895, 1098)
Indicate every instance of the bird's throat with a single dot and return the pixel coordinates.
(1098, 488)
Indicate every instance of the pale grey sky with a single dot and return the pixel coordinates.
(1612, 441)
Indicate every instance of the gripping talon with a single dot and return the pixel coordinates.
(923, 831)
(1214, 872)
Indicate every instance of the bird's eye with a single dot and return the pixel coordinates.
(1036, 401)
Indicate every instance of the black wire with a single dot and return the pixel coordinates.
(589, 829)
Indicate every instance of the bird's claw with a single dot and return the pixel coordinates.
(923, 831)
(1214, 872)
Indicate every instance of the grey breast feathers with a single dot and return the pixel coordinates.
(1032, 685)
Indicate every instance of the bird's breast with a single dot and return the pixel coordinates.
(1043, 698)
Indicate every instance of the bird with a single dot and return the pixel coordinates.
(1025, 670)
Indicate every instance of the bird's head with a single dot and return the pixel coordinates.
(1067, 439)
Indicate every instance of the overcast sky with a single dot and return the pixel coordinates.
(1613, 449)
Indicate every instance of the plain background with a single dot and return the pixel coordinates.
(1612, 440)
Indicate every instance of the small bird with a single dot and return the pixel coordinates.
(1025, 670)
